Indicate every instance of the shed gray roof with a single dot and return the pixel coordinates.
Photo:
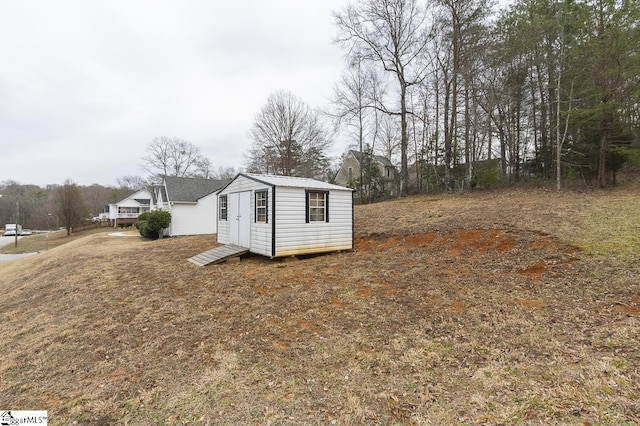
(191, 189)
(291, 181)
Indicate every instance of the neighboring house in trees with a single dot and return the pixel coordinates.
(279, 216)
(192, 202)
(126, 211)
(379, 179)
(425, 177)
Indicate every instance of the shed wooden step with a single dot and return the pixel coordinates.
(218, 254)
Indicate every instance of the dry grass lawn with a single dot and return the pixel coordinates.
(506, 307)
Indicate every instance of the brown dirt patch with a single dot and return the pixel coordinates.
(363, 291)
(458, 306)
(537, 269)
(627, 310)
(529, 303)
(420, 240)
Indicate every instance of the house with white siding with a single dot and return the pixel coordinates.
(192, 202)
(127, 210)
(278, 216)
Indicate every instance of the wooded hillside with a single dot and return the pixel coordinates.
(547, 88)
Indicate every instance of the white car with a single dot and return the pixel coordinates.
(26, 232)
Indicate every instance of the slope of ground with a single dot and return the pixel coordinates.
(489, 308)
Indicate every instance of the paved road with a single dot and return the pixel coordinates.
(5, 241)
(10, 240)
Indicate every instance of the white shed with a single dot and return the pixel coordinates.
(279, 216)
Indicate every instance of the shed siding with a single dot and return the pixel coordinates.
(293, 235)
(260, 232)
(195, 219)
(223, 232)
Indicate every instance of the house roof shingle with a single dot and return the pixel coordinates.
(379, 158)
(191, 189)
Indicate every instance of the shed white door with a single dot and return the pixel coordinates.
(240, 218)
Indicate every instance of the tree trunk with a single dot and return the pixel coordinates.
(447, 132)
(602, 157)
(404, 142)
(467, 132)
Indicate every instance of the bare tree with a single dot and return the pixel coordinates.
(71, 207)
(96, 197)
(389, 137)
(131, 183)
(354, 99)
(288, 138)
(205, 168)
(225, 172)
(174, 157)
(391, 34)
(461, 30)
(127, 185)
(353, 102)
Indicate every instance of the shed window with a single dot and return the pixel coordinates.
(261, 206)
(317, 203)
(223, 207)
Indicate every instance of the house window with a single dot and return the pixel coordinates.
(128, 210)
(261, 206)
(317, 206)
(223, 207)
(350, 173)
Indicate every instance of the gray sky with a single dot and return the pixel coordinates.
(86, 85)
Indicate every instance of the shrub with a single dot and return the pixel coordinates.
(152, 224)
(487, 175)
(143, 228)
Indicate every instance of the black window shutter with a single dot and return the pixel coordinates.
(326, 206)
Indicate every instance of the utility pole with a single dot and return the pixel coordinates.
(17, 219)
